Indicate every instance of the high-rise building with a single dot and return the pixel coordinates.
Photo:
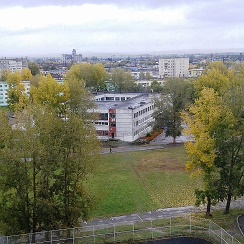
(173, 67)
(72, 58)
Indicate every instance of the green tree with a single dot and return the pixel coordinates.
(122, 80)
(176, 95)
(34, 68)
(44, 163)
(156, 87)
(94, 76)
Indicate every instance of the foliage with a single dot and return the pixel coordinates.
(17, 98)
(46, 157)
(122, 81)
(26, 75)
(214, 120)
(156, 87)
(176, 95)
(93, 75)
(49, 92)
(34, 68)
(4, 75)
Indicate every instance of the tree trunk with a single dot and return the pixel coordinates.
(208, 214)
(174, 140)
(227, 207)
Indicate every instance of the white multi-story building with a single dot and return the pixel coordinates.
(173, 67)
(4, 91)
(12, 65)
(124, 116)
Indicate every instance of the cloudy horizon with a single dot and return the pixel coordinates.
(32, 28)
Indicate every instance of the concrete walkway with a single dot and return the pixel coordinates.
(161, 213)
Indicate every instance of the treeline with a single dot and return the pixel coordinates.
(46, 155)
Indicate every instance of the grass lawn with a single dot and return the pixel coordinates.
(134, 182)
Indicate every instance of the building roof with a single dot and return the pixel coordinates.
(132, 103)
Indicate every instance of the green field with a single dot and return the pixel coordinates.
(134, 182)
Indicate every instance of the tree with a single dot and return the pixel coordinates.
(26, 75)
(230, 150)
(210, 121)
(17, 98)
(45, 160)
(122, 81)
(80, 100)
(50, 92)
(156, 87)
(92, 75)
(228, 84)
(173, 99)
(34, 68)
(43, 167)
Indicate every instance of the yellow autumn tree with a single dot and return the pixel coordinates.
(207, 120)
(50, 92)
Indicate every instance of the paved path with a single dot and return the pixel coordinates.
(161, 213)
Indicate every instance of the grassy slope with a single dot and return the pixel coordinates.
(135, 182)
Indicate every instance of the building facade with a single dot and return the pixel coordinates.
(124, 116)
(173, 67)
(12, 65)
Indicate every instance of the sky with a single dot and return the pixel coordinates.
(54, 27)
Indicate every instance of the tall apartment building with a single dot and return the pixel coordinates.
(12, 65)
(72, 58)
(173, 67)
(123, 116)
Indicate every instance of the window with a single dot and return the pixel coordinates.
(103, 116)
(112, 124)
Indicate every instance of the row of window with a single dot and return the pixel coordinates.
(139, 113)
(102, 132)
(100, 123)
(113, 98)
(141, 121)
(141, 129)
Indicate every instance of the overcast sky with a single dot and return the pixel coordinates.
(45, 27)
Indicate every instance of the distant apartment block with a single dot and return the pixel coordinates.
(194, 73)
(4, 91)
(72, 58)
(123, 116)
(173, 67)
(12, 65)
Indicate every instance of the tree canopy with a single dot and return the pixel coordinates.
(175, 96)
(46, 157)
(215, 119)
(93, 75)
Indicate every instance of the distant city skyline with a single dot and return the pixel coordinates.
(50, 27)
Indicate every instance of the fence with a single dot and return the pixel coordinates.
(128, 232)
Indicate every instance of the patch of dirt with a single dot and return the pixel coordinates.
(170, 166)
